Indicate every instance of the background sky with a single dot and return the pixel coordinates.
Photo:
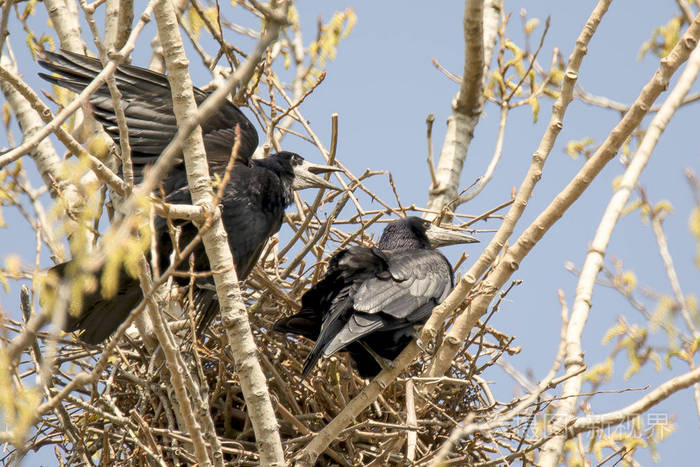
(383, 85)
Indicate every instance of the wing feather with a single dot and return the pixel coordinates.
(367, 292)
(147, 104)
(417, 277)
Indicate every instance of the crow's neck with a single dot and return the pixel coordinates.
(287, 190)
(283, 173)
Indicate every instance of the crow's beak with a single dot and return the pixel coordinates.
(305, 176)
(443, 237)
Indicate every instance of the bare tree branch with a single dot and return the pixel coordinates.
(233, 312)
(467, 427)
(533, 175)
(556, 209)
(661, 393)
(480, 32)
(65, 21)
(596, 253)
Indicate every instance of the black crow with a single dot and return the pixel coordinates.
(372, 300)
(253, 201)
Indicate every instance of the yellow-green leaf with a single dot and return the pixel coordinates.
(663, 206)
(531, 25)
(600, 373)
(195, 21)
(535, 105)
(663, 39)
(617, 330)
(629, 281)
(6, 114)
(694, 222)
(576, 148)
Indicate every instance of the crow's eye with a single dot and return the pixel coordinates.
(297, 159)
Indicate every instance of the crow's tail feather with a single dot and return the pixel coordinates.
(99, 317)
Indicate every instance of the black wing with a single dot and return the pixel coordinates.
(344, 269)
(371, 297)
(418, 280)
(147, 104)
(99, 317)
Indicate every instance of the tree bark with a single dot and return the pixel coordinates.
(234, 315)
(480, 32)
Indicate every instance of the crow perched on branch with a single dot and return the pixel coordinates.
(371, 300)
(254, 200)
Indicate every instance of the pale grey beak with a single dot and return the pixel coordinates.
(439, 236)
(305, 176)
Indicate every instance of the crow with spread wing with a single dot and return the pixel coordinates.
(254, 200)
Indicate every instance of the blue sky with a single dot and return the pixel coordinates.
(383, 85)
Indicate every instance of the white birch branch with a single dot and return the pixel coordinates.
(65, 23)
(661, 393)
(46, 158)
(119, 15)
(233, 312)
(178, 372)
(481, 21)
(64, 18)
(552, 450)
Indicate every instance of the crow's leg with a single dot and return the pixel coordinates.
(385, 363)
